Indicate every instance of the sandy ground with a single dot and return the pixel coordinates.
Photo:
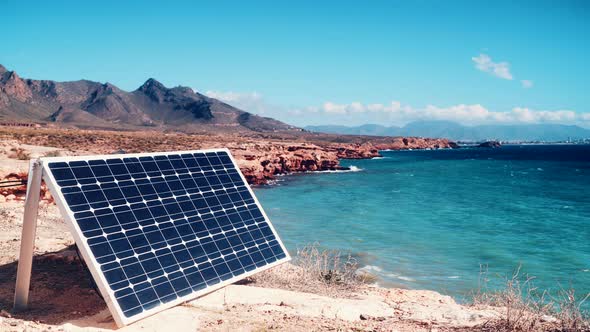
(63, 298)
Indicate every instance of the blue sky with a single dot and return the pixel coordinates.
(323, 63)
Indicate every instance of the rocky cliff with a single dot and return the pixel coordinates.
(261, 163)
(260, 159)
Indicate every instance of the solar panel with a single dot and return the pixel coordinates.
(159, 229)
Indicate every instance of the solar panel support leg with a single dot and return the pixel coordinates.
(27, 244)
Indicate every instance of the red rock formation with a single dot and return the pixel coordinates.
(261, 162)
(415, 143)
(18, 192)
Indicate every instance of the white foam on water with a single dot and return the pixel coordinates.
(400, 277)
(453, 277)
(371, 268)
(379, 158)
(275, 182)
(405, 278)
(351, 169)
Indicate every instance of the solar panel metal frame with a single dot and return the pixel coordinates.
(94, 266)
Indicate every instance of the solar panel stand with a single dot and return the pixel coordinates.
(25, 258)
(235, 221)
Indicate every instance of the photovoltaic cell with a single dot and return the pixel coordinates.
(164, 227)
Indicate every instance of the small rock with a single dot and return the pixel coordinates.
(4, 313)
(10, 197)
(364, 317)
(548, 319)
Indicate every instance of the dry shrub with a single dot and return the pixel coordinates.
(526, 308)
(54, 153)
(330, 266)
(316, 270)
(19, 153)
(569, 311)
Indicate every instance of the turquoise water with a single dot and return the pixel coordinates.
(429, 219)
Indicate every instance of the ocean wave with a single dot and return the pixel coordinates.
(400, 277)
(376, 270)
(275, 182)
(406, 278)
(379, 158)
(354, 169)
(371, 268)
(351, 169)
(453, 277)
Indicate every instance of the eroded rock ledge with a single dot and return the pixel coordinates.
(262, 162)
(261, 159)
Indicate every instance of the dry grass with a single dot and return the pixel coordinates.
(528, 309)
(317, 270)
(19, 153)
(331, 267)
(54, 153)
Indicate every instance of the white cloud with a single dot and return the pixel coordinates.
(469, 114)
(247, 101)
(527, 84)
(330, 107)
(484, 63)
(395, 113)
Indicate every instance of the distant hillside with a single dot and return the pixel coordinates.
(92, 104)
(457, 132)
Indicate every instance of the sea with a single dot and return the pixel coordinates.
(453, 221)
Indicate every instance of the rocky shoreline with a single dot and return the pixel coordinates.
(260, 159)
(261, 164)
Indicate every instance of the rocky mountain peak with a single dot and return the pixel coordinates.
(13, 85)
(155, 90)
(151, 85)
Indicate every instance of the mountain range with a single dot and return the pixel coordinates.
(91, 104)
(458, 132)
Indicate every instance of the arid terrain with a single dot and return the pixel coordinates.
(260, 156)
